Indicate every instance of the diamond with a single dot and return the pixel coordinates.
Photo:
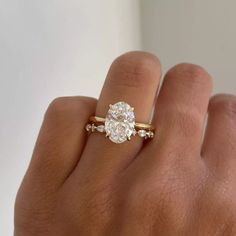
(93, 127)
(120, 122)
(150, 134)
(88, 127)
(100, 128)
(142, 133)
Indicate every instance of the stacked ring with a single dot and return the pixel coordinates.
(119, 124)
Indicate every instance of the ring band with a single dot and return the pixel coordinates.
(119, 124)
(97, 119)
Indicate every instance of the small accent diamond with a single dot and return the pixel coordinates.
(100, 128)
(93, 128)
(88, 127)
(142, 133)
(150, 134)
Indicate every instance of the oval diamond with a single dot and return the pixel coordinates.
(120, 122)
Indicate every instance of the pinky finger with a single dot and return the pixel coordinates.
(219, 147)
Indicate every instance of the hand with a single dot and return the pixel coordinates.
(170, 185)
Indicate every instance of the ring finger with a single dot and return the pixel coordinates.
(133, 78)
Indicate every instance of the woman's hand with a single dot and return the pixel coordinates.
(170, 185)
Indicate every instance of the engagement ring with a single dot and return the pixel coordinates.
(119, 124)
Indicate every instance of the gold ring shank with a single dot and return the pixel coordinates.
(98, 119)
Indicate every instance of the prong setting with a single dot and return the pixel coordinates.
(119, 124)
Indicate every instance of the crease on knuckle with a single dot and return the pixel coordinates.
(93, 210)
(191, 76)
(62, 106)
(99, 201)
(134, 72)
(226, 106)
(187, 122)
(229, 228)
(34, 218)
(57, 105)
(221, 196)
(163, 201)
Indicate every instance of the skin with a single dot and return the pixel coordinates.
(182, 182)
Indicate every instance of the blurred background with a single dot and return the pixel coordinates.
(52, 48)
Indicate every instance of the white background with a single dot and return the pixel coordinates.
(51, 48)
(196, 31)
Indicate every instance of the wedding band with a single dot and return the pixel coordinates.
(119, 124)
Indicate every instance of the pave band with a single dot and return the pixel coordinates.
(119, 124)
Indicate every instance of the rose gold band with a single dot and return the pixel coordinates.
(98, 119)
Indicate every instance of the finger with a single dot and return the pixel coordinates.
(133, 78)
(180, 111)
(61, 141)
(219, 148)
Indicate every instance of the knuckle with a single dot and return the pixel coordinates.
(165, 199)
(191, 75)
(188, 122)
(96, 209)
(221, 202)
(33, 216)
(62, 106)
(224, 103)
(58, 105)
(135, 69)
(222, 195)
